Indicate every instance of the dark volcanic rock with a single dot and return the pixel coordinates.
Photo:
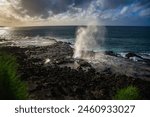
(54, 82)
(147, 61)
(111, 53)
(131, 54)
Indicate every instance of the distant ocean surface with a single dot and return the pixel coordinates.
(117, 38)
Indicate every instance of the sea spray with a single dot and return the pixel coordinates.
(88, 39)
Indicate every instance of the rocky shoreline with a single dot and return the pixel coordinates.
(51, 73)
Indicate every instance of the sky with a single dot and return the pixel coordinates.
(74, 12)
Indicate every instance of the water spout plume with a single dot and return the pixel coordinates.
(88, 39)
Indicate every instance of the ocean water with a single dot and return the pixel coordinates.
(117, 38)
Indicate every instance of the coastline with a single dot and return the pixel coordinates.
(51, 73)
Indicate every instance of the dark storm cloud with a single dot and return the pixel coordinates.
(43, 8)
(144, 2)
(79, 9)
(37, 7)
(112, 4)
(82, 3)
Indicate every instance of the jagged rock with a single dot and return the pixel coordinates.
(131, 54)
(55, 82)
(111, 53)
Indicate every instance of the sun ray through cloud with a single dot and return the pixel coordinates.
(46, 12)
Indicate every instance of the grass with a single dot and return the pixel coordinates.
(11, 87)
(128, 93)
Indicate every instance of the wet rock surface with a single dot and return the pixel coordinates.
(51, 73)
(136, 57)
(111, 53)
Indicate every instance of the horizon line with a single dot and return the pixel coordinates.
(76, 25)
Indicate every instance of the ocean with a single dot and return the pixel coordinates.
(117, 38)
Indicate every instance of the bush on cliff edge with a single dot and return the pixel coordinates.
(128, 93)
(11, 87)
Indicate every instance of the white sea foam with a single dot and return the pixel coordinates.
(87, 39)
(29, 41)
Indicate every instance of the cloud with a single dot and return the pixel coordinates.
(43, 8)
(112, 4)
(77, 11)
(124, 10)
(144, 2)
(145, 12)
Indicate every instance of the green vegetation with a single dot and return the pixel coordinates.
(129, 93)
(11, 87)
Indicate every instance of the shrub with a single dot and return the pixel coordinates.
(11, 87)
(129, 93)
